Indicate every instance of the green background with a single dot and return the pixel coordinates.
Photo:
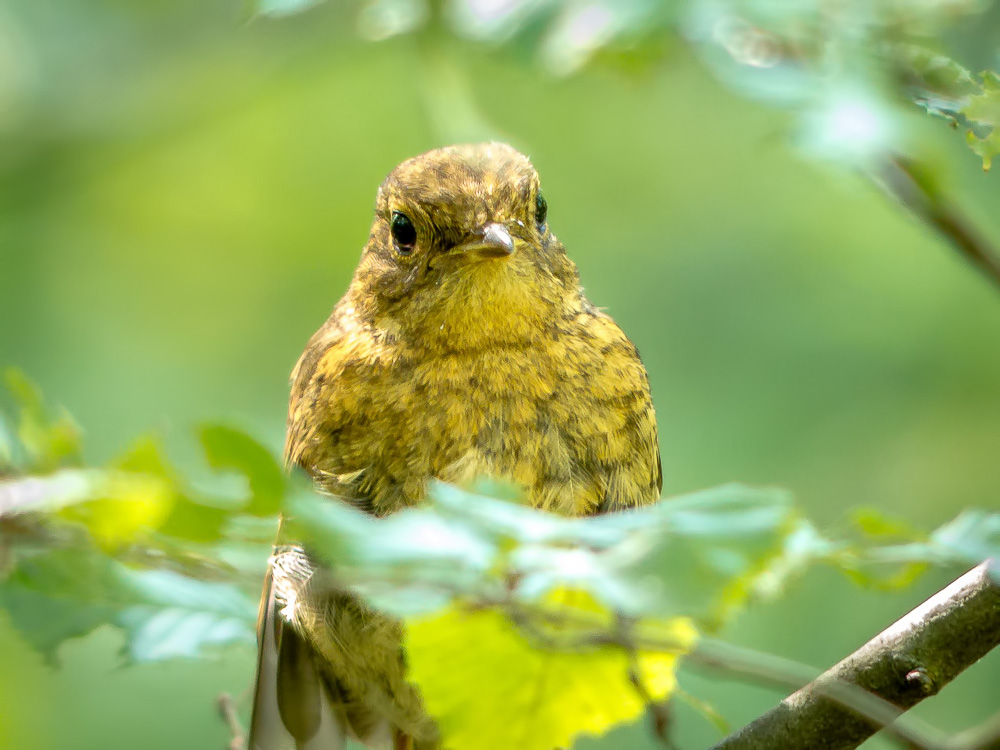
(184, 194)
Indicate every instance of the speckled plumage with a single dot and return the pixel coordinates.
(449, 362)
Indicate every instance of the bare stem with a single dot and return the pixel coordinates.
(227, 710)
(906, 181)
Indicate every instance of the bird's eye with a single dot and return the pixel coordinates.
(541, 209)
(403, 232)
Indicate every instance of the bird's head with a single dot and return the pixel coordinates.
(460, 249)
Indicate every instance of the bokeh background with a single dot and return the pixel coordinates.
(185, 190)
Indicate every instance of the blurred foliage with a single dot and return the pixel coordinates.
(496, 594)
(851, 70)
(183, 190)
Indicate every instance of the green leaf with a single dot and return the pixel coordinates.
(46, 439)
(411, 561)
(985, 106)
(8, 455)
(66, 593)
(877, 525)
(986, 147)
(938, 83)
(730, 543)
(886, 533)
(124, 508)
(971, 537)
(968, 539)
(188, 519)
(984, 109)
(116, 506)
(710, 550)
(230, 449)
(525, 696)
(113, 505)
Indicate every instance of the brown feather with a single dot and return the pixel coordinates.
(452, 360)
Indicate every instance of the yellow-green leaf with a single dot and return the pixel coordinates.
(124, 507)
(488, 686)
(984, 109)
(49, 438)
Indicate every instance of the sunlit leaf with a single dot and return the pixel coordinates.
(985, 106)
(986, 147)
(526, 696)
(178, 616)
(876, 569)
(492, 21)
(47, 493)
(984, 109)
(879, 526)
(115, 506)
(122, 507)
(48, 438)
(189, 519)
(8, 456)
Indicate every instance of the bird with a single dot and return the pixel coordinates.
(464, 348)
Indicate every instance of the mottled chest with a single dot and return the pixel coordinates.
(471, 412)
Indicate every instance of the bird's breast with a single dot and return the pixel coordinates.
(477, 412)
(565, 415)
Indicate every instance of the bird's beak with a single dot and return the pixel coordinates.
(492, 241)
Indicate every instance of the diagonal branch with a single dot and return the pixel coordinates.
(907, 182)
(909, 661)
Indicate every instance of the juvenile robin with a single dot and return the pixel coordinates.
(463, 348)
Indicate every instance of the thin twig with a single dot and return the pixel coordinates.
(907, 182)
(986, 736)
(227, 710)
(766, 669)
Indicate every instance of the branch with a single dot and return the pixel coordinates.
(909, 661)
(906, 182)
(228, 712)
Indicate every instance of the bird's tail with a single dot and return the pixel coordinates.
(293, 706)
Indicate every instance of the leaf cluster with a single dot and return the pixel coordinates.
(517, 601)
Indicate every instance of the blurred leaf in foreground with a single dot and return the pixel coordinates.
(879, 532)
(521, 603)
(46, 438)
(65, 593)
(124, 504)
(968, 539)
(973, 536)
(189, 519)
(708, 548)
(699, 555)
(984, 110)
(230, 449)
